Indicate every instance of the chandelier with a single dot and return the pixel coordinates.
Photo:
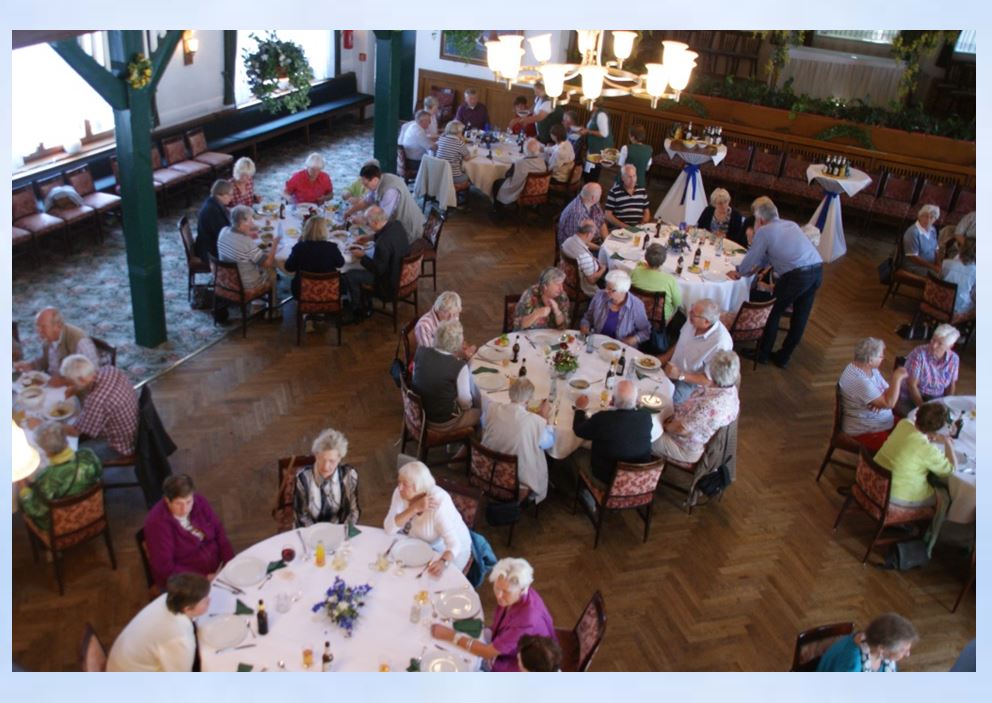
(663, 80)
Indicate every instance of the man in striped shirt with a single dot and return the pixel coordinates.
(626, 203)
(239, 244)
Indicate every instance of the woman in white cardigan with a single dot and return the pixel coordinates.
(425, 511)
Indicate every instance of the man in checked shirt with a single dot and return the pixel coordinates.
(108, 422)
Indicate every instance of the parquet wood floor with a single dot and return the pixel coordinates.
(725, 589)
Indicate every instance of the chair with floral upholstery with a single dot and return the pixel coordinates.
(403, 167)
(194, 264)
(895, 198)
(939, 193)
(428, 243)
(405, 291)
(734, 168)
(720, 451)
(937, 306)
(871, 490)
(408, 341)
(654, 306)
(82, 180)
(765, 168)
(73, 521)
(535, 192)
(75, 215)
(172, 179)
(580, 644)
(178, 160)
(218, 162)
(565, 192)
(748, 323)
(573, 289)
(963, 204)
(497, 475)
(838, 438)
(632, 487)
(28, 218)
(105, 351)
(900, 275)
(320, 296)
(92, 653)
(813, 643)
(153, 589)
(427, 436)
(468, 502)
(509, 311)
(793, 183)
(228, 286)
(288, 467)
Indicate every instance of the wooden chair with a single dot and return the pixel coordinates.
(28, 218)
(535, 192)
(580, 644)
(937, 306)
(106, 352)
(416, 428)
(813, 643)
(939, 193)
(157, 184)
(175, 156)
(509, 311)
(283, 513)
(73, 521)
(901, 276)
(748, 324)
(564, 192)
(838, 438)
(427, 245)
(871, 490)
(573, 288)
(104, 203)
(467, 500)
(172, 179)
(963, 204)
(654, 306)
(896, 197)
(218, 162)
(139, 538)
(228, 285)
(408, 340)
(632, 487)
(967, 584)
(194, 264)
(497, 475)
(92, 653)
(405, 292)
(403, 167)
(685, 478)
(320, 296)
(73, 215)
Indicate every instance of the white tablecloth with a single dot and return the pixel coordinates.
(831, 224)
(962, 483)
(382, 635)
(592, 367)
(686, 200)
(714, 284)
(291, 228)
(483, 172)
(49, 399)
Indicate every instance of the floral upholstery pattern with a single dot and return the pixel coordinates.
(535, 190)
(467, 506)
(938, 299)
(871, 487)
(590, 628)
(633, 487)
(496, 477)
(570, 268)
(937, 193)
(409, 274)
(897, 514)
(738, 156)
(750, 322)
(899, 188)
(320, 295)
(288, 469)
(432, 228)
(654, 304)
(227, 282)
(413, 413)
(78, 520)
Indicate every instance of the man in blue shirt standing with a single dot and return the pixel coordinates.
(799, 267)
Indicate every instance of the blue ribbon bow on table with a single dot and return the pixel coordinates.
(827, 200)
(690, 173)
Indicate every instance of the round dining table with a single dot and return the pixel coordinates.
(384, 636)
(624, 249)
(686, 199)
(535, 353)
(482, 171)
(827, 217)
(41, 410)
(290, 228)
(962, 483)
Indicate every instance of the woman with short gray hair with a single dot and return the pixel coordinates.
(327, 489)
(544, 305)
(451, 147)
(704, 413)
(931, 370)
(616, 313)
(243, 182)
(920, 241)
(312, 184)
(866, 398)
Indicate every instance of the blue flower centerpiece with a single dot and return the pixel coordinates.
(342, 604)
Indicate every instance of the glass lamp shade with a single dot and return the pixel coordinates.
(671, 51)
(540, 46)
(25, 458)
(510, 66)
(553, 75)
(623, 44)
(514, 40)
(494, 54)
(681, 72)
(657, 79)
(587, 40)
(592, 81)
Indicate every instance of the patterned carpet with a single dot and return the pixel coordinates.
(91, 286)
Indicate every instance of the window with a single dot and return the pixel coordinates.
(873, 36)
(966, 42)
(53, 106)
(318, 45)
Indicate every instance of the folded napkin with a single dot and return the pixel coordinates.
(616, 257)
(353, 531)
(275, 566)
(242, 609)
(485, 369)
(414, 665)
(469, 626)
(245, 667)
(633, 229)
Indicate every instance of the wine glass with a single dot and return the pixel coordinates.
(288, 553)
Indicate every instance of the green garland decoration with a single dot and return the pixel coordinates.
(273, 61)
(139, 72)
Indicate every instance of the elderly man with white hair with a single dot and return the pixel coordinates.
(585, 206)
(919, 243)
(519, 611)
(931, 370)
(59, 339)
(423, 510)
(382, 270)
(415, 140)
(327, 491)
(577, 247)
(616, 313)
(443, 380)
(799, 266)
(447, 306)
(620, 434)
(506, 190)
(698, 417)
(239, 244)
(312, 184)
(627, 202)
(700, 338)
(512, 429)
(109, 415)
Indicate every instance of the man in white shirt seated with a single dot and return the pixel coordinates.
(162, 637)
(415, 140)
(560, 157)
(701, 336)
(447, 306)
(511, 428)
(591, 270)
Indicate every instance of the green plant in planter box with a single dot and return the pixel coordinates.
(275, 60)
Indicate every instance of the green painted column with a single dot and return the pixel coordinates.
(408, 84)
(388, 82)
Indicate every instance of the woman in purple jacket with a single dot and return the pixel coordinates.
(184, 534)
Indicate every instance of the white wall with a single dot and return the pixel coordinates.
(187, 92)
(364, 70)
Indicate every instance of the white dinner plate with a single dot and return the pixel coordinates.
(31, 379)
(62, 410)
(714, 276)
(413, 552)
(622, 235)
(647, 363)
(245, 571)
(223, 631)
(458, 603)
(545, 338)
(491, 381)
(330, 535)
(301, 209)
(442, 662)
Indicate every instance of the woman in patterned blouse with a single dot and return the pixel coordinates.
(931, 370)
(242, 179)
(328, 490)
(544, 305)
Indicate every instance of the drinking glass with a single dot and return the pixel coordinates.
(283, 602)
(307, 657)
(706, 265)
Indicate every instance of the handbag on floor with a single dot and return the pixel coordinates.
(903, 556)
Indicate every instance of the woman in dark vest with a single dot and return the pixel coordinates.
(719, 217)
(598, 137)
(637, 154)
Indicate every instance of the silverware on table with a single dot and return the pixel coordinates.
(250, 631)
(306, 552)
(231, 587)
(240, 646)
(391, 547)
(268, 577)
(422, 571)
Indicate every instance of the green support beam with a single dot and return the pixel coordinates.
(408, 84)
(388, 79)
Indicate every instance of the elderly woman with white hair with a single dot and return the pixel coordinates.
(243, 183)
(432, 107)
(109, 416)
(709, 408)
(616, 313)
(447, 306)
(443, 380)
(720, 218)
(931, 370)
(919, 243)
(866, 398)
(519, 611)
(451, 147)
(327, 491)
(544, 305)
(312, 184)
(423, 510)
(313, 253)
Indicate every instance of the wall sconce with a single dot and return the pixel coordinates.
(190, 46)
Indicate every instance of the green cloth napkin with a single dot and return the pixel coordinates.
(485, 369)
(616, 257)
(469, 626)
(275, 566)
(242, 609)
(414, 665)
(633, 230)
(245, 667)
(353, 531)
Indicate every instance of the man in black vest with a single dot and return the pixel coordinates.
(383, 268)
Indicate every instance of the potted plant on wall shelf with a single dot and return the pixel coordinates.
(279, 74)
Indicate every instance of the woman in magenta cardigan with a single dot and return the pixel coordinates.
(184, 534)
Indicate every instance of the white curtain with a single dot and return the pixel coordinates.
(824, 74)
(318, 45)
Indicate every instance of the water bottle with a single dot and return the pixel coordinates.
(589, 344)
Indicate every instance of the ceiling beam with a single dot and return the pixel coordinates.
(28, 37)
